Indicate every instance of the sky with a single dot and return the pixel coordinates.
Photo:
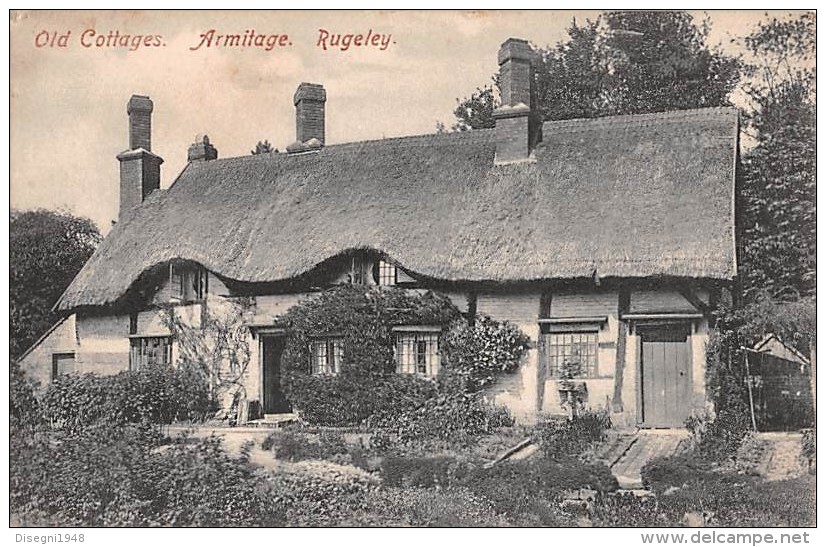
(68, 116)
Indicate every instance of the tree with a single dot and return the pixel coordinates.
(46, 250)
(263, 147)
(625, 62)
(777, 199)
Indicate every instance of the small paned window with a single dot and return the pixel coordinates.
(571, 354)
(326, 355)
(150, 350)
(387, 273)
(418, 353)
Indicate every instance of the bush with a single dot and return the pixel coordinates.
(529, 491)
(155, 394)
(571, 438)
(110, 476)
(719, 438)
(474, 355)
(350, 399)
(422, 472)
(722, 498)
(808, 448)
(453, 507)
(24, 407)
(320, 493)
(660, 474)
(457, 418)
(292, 446)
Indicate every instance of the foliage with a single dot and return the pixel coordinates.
(46, 251)
(350, 399)
(111, 476)
(320, 493)
(624, 62)
(292, 446)
(24, 406)
(808, 448)
(363, 317)
(422, 472)
(475, 355)
(476, 112)
(570, 439)
(687, 486)
(263, 147)
(152, 395)
(777, 198)
(528, 491)
(457, 418)
(217, 347)
(453, 507)
(368, 388)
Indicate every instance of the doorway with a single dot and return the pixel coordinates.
(274, 401)
(665, 375)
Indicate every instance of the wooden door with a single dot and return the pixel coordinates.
(665, 375)
(274, 400)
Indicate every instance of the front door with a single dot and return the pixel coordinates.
(665, 375)
(274, 400)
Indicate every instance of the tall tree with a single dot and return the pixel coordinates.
(622, 63)
(46, 251)
(777, 198)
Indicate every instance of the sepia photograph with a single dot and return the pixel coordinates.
(413, 269)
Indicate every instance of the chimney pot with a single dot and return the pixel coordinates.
(139, 110)
(309, 102)
(201, 150)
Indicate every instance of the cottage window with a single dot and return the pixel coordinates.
(417, 351)
(326, 355)
(187, 282)
(387, 273)
(150, 350)
(571, 354)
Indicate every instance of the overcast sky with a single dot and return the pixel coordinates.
(68, 104)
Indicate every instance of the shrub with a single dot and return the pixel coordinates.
(422, 472)
(723, 498)
(110, 476)
(474, 355)
(808, 448)
(154, 394)
(24, 407)
(457, 418)
(320, 493)
(350, 399)
(719, 438)
(293, 446)
(529, 491)
(660, 474)
(571, 438)
(453, 507)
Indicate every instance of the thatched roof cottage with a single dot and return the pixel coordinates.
(607, 238)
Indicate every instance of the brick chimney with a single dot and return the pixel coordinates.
(201, 150)
(515, 125)
(309, 102)
(140, 169)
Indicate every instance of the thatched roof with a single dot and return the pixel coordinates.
(627, 196)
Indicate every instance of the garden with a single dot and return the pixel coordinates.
(373, 448)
